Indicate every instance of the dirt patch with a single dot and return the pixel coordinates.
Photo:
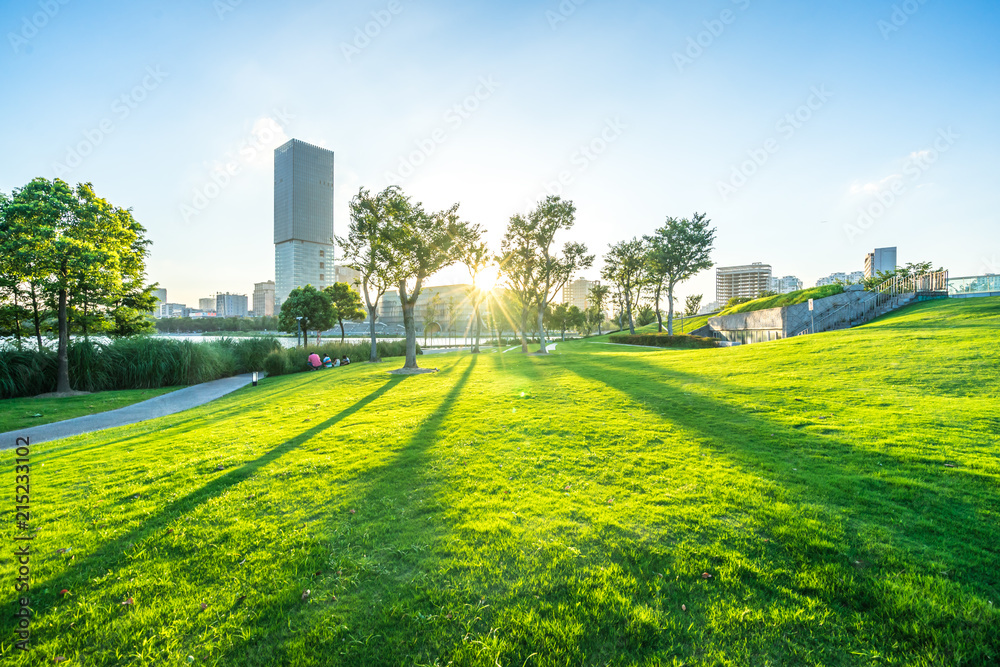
(412, 371)
(63, 394)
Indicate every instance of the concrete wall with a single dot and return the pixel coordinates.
(791, 320)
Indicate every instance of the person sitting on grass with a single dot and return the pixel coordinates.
(345, 360)
(336, 363)
(327, 362)
(314, 361)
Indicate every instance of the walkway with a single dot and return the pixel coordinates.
(161, 406)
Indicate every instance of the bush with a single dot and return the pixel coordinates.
(683, 341)
(132, 363)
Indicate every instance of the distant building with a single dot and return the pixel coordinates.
(303, 218)
(845, 278)
(344, 274)
(263, 299)
(206, 304)
(712, 307)
(167, 310)
(786, 285)
(881, 260)
(231, 305)
(391, 311)
(160, 294)
(748, 281)
(202, 313)
(577, 293)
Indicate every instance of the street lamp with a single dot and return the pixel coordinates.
(298, 335)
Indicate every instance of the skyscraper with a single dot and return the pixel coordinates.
(747, 281)
(882, 260)
(263, 299)
(303, 218)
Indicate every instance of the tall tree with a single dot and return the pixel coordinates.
(678, 250)
(365, 248)
(625, 265)
(535, 270)
(477, 258)
(346, 304)
(419, 245)
(308, 308)
(597, 296)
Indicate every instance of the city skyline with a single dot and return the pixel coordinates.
(809, 137)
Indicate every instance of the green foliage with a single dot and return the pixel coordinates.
(646, 316)
(678, 251)
(346, 304)
(692, 304)
(737, 301)
(781, 300)
(626, 267)
(216, 324)
(132, 363)
(656, 339)
(309, 308)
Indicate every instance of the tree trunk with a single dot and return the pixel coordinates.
(628, 310)
(62, 355)
(564, 332)
(478, 329)
(409, 322)
(373, 355)
(659, 318)
(341, 321)
(17, 319)
(670, 311)
(524, 330)
(37, 317)
(541, 330)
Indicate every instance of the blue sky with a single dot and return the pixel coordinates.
(809, 132)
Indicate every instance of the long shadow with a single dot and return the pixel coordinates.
(110, 554)
(385, 486)
(750, 441)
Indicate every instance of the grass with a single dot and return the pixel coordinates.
(826, 500)
(790, 299)
(20, 413)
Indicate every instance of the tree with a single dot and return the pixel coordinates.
(418, 245)
(597, 296)
(73, 248)
(477, 258)
(432, 314)
(452, 314)
(365, 248)
(679, 250)
(646, 316)
(346, 304)
(536, 271)
(625, 266)
(692, 304)
(311, 305)
(737, 300)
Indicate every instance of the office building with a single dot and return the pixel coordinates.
(207, 304)
(231, 305)
(166, 310)
(161, 296)
(345, 274)
(845, 278)
(786, 285)
(263, 299)
(747, 281)
(882, 260)
(577, 293)
(303, 218)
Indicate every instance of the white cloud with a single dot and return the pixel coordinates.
(874, 187)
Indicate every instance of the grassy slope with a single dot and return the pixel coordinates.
(841, 489)
(690, 324)
(18, 413)
(790, 299)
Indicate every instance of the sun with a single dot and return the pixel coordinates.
(488, 279)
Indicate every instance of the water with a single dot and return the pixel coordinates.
(438, 341)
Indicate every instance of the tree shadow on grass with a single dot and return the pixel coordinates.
(921, 528)
(111, 554)
(385, 548)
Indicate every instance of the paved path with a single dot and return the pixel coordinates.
(161, 406)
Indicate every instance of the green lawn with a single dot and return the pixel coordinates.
(19, 413)
(790, 299)
(827, 500)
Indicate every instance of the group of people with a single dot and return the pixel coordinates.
(316, 363)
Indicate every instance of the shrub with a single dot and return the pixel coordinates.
(295, 360)
(683, 341)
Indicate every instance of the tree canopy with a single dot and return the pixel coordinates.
(314, 308)
(677, 251)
